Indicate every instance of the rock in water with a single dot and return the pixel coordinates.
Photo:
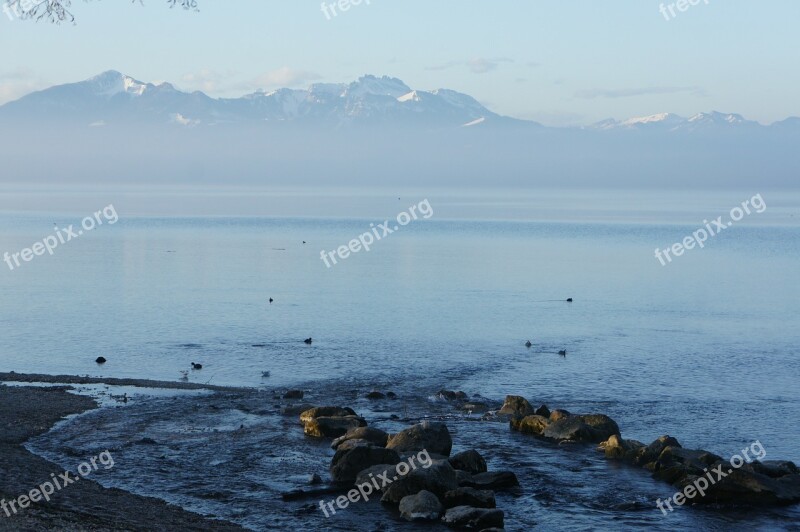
(325, 411)
(516, 406)
(470, 497)
(591, 428)
(431, 436)
(423, 506)
(470, 461)
(468, 518)
(494, 480)
(373, 436)
(439, 478)
(347, 464)
(332, 427)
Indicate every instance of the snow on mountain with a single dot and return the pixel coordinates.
(113, 97)
(673, 122)
(111, 83)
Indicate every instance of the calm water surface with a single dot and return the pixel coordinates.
(705, 348)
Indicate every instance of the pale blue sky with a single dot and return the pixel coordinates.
(559, 62)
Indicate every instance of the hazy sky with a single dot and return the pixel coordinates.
(559, 62)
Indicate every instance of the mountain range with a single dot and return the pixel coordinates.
(113, 97)
(376, 131)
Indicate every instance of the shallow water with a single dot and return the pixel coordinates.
(704, 348)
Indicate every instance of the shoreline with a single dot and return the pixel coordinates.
(26, 412)
(33, 378)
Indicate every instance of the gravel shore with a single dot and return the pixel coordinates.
(26, 412)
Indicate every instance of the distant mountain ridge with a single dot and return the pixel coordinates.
(115, 98)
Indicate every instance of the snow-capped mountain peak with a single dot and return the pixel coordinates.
(412, 96)
(660, 118)
(111, 83)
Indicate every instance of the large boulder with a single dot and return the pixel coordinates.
(775, 468)
(516, 406)
(422, 506)
(325, 411)
(439, 478)
(745, 486)
(348, 463)
(332, 427)
(495, 480)
(468, 518)
(374, 436)
(470, 461)
(615, 448)
(534, 424)
(376, 473)
(591, 428)
(470, 497)
(676, 463)
(646, 456)
(432, 436)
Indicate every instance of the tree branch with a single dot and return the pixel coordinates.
(57, 11)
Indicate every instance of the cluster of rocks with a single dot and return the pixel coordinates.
(754, 483)
(457, 490)
(769, 482)
(557, 425)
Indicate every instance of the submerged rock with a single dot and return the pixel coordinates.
(470, 497)
(292, 394)
(468, 518)
(448, 395)
(494, 480)
(432, 436)
(422, 506)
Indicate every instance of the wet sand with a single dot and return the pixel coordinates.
(26, 412)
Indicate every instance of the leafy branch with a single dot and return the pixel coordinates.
(57, 11)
